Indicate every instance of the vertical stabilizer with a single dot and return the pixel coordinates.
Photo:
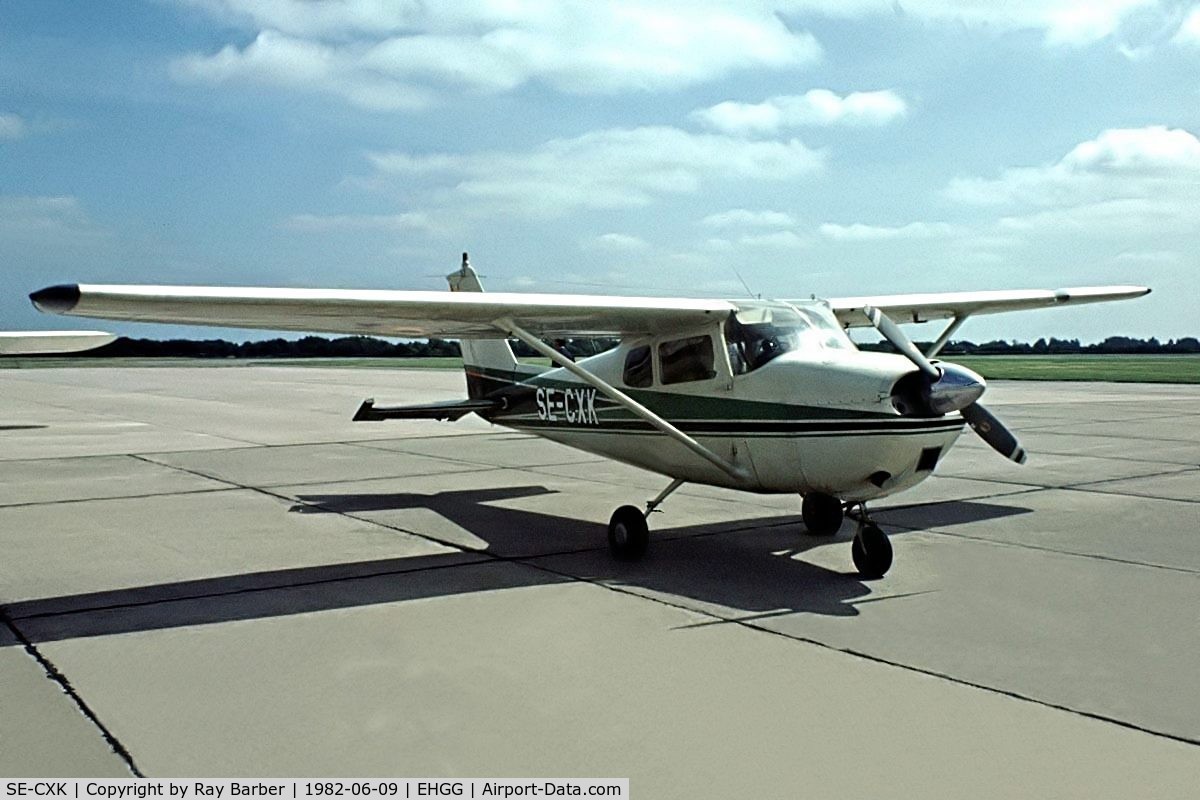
(486, 361)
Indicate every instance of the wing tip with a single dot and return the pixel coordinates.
(60, 299)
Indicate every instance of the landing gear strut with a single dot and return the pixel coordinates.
(822, 514)
(870, 550)
(628, 533)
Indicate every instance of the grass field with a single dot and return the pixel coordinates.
(1121, 369)
(1124, 369)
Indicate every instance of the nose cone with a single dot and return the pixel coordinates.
(958, 388)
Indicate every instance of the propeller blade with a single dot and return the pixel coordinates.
(891, 331)
(994, 432)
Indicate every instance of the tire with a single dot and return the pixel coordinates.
(872, 552)
(822, 514)
(628, 534)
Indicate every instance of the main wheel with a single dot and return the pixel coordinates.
(628, 534)
(871, 551)
(822, 514)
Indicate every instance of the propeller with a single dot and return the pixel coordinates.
(950, 387)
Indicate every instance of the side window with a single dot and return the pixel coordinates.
(688, 359)
(639, 373)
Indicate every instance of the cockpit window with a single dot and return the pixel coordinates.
(689, 359)
(759, 332)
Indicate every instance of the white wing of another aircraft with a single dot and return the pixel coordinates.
(14, 343)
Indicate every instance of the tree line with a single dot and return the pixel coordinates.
(1113, 345)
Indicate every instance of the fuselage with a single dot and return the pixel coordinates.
(799, 410)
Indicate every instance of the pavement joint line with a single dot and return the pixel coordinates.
(482, 557)
(1000, 542)
(1043, 549)
(159, 395)
(619, 589)
(56, 675)
(982, 448)
(473, 461)
(94, 456)
(1087, 435)
(237, 445)
(71, 500)
(1093, 487)
(303, 584)
(1178, 469)
(263, 489)
(366, 520)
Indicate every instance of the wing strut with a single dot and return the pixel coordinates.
(616, 395)
(944, 339)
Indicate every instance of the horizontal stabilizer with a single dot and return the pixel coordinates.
(450, 410)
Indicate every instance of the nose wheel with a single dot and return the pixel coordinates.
(871, 551)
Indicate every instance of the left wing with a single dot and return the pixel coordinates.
(14, 343)
(455, 315)
(949, 305)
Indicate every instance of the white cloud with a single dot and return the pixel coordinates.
(817, 107)
(1155, 149)
(12, 126)
(395, 56)
(779, 240)
(858, 232)
(617, 242)
(44, 218)
(1062, 22)
(1189, 31)
(1129, 162)
(1127, 191)
(1144, 257)
(391, 55)
(410, 221)
(741, 217)
(274, 59)
(605, 169)
(1121, 217)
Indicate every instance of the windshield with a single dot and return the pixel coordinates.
(759, 332)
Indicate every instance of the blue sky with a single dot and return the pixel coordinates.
(809, 146)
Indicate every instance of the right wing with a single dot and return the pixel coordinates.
(949, 305)
(14, 343)
(455, 315)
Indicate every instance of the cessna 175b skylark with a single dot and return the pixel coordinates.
(757, 395)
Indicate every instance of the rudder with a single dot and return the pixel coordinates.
(489, 363)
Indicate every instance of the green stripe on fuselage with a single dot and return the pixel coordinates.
(681, 407)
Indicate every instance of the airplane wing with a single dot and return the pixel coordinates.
(948, 305)
(14, 343)
(455, 315)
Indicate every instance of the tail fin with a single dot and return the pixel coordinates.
(489, 363)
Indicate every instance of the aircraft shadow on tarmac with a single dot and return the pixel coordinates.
(749, 567)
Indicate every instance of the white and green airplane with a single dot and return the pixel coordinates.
(761, 396)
